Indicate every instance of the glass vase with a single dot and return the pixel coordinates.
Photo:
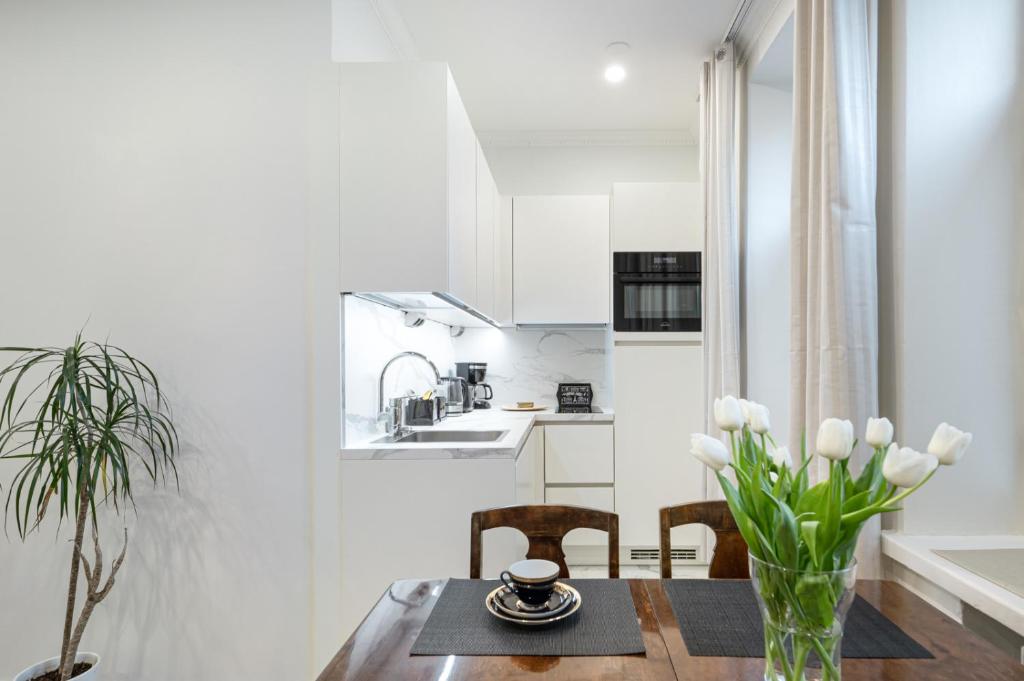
(804, 613)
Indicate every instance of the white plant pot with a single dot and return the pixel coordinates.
(49, 665)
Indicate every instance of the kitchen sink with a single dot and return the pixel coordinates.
(428, 436)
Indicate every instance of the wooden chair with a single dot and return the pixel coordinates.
(729, 560)
(545, 525)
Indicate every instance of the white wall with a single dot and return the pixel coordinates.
(765, 231)
(169, 177)
(369, 30)
(358, 34)
(541, 170)
(950, 251)
(766, 252)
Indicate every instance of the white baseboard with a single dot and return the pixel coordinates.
(924, 589)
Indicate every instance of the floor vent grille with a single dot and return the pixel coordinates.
(645, 554)
(654, 554)
(684, 554)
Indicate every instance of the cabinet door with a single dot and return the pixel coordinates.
(657, 216)
(601, 498)
(530, 469)
(394, 170)
(561, 259)
(578, 453)
(503, 261)
(658, 403)
(462, 149)
(485, 227)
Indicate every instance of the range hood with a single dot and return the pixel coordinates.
(439, 307)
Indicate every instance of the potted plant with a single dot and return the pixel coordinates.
(82, 422)
(801, 536)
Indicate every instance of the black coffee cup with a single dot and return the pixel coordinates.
(532, 581)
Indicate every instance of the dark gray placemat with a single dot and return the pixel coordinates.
(606, 624)
(720, 618)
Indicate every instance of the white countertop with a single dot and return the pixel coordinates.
(916, 552)
(518, 425)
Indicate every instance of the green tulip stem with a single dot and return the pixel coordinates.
(886, 504)
(906, 493)
(825, 656)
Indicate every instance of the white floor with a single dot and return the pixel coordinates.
(640, 571)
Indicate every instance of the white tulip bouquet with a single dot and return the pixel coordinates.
(801, 536)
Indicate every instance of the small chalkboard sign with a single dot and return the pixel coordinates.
(575, 396)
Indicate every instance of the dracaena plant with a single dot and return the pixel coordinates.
(81, 423)
(799, 532)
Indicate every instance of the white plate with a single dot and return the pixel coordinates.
(512, 407)
(493, 609)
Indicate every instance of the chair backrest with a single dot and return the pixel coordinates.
(729, 560)
(545, 525)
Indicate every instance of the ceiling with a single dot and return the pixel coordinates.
(528, 65)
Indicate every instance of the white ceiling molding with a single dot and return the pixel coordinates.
(394, 26)
(587, 138)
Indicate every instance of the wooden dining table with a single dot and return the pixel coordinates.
(379, 648)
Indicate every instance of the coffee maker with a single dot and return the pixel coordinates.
(478, 394)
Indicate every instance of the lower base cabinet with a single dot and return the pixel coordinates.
(601, 498)
(658, 403)
(402, 518)
(579, 470)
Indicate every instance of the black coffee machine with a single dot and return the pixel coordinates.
(479, 394)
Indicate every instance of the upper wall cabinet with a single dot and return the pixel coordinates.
(503, 268)
(561, 259)
(657, 216)
(409, 200)
(488, 206)
(462, 198)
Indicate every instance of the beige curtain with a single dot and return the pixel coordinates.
(834, 332)
(721, 240)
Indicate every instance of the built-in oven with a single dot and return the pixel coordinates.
(657, 291)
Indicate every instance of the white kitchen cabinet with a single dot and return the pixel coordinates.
(579, 453)
(530, 469)
(487, 207)
(657, 216)
(561, 259)
(579, 470)
(412, 517)
(584, 546)
(658, 403)
(503, 303)
(408, 173)
(462, 199)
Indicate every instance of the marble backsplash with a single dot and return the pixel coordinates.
(529, 364)
(372, 335)
(521, 364)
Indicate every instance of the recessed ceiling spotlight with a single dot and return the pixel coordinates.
(616, 53)
(615, 73)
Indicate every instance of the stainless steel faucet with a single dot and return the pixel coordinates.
(392, 415)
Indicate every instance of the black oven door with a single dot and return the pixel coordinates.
(657, 302)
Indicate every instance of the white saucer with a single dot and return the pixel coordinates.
(507, 602)
(535, 619)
